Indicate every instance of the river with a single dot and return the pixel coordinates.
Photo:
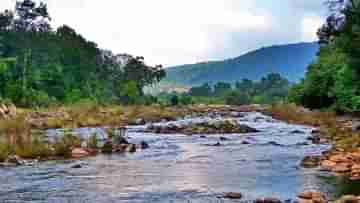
(179, 168)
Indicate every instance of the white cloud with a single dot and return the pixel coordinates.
(310, 25)
(185, 31)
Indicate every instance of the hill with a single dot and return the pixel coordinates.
(289, 60)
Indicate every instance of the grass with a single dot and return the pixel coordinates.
(329, 126)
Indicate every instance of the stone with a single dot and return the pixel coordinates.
(338, 159)
(144, 145)
(15, 160)
(232, 195)
(267, 200)
(121, 148)
(140, 121)
(224, 139)
(107, 148)
(355, 126)
(348, 199)
(76, 166)
(131, 148)
(310, 162)
(342, 168)
(79, 153)
(312, 197)
(328, 165)
(315, 139)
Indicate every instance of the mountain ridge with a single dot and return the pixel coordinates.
(290, 60)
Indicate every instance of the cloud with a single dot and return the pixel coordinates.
(186, 31)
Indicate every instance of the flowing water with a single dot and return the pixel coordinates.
(178, 168)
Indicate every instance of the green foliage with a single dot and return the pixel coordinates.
(270, 89)
(237, 98)
(174, 101)
(333, 80)
(61, 66)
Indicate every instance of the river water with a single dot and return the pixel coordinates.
(179, 168)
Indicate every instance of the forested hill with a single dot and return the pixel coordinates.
(290, 61)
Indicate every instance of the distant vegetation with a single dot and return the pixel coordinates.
(288, 60)
(333, 81)
(270, 89)
(40, 66)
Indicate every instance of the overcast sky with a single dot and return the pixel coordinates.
(172, 32)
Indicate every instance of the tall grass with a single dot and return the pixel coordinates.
(329, 126)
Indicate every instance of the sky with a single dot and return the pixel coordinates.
(174, 32)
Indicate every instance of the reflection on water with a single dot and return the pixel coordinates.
(181, 169)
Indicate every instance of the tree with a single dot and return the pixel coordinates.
(222, 88)
(31, 17)
(203, 90)
(237, 98)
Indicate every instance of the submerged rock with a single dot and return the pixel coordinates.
(232, 195)
(144, 145)
(224, 139)
(76, 166)
(267, 200)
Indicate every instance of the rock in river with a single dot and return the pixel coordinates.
(78, 153)
(232, 195)
(311, 161)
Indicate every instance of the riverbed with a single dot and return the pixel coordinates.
(180, 168)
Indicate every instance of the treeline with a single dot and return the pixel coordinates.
(333, 81)
(270, 89)
(40, 66)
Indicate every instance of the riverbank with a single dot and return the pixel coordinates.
(342, 132)
(22, 133)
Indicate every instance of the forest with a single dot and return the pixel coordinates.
(271, 89)
(42, 66)
(332, 82)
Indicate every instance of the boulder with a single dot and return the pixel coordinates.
(348, 199)
(76, 166)
(143, 145)
(312, 197)
(224, 139)
(267, 200)
(78, 153)
(315, 139)
(355, 172)
(14, 160)
(311, 162)
(245, 142)
(140, 121)
(328, 165)
(121, 148)
(342, 168)
(131, 148)
(340, 158)
(232, 195)
(107, 148)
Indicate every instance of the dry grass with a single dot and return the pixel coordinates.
(330, 127)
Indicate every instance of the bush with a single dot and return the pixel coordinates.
(237, 98)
